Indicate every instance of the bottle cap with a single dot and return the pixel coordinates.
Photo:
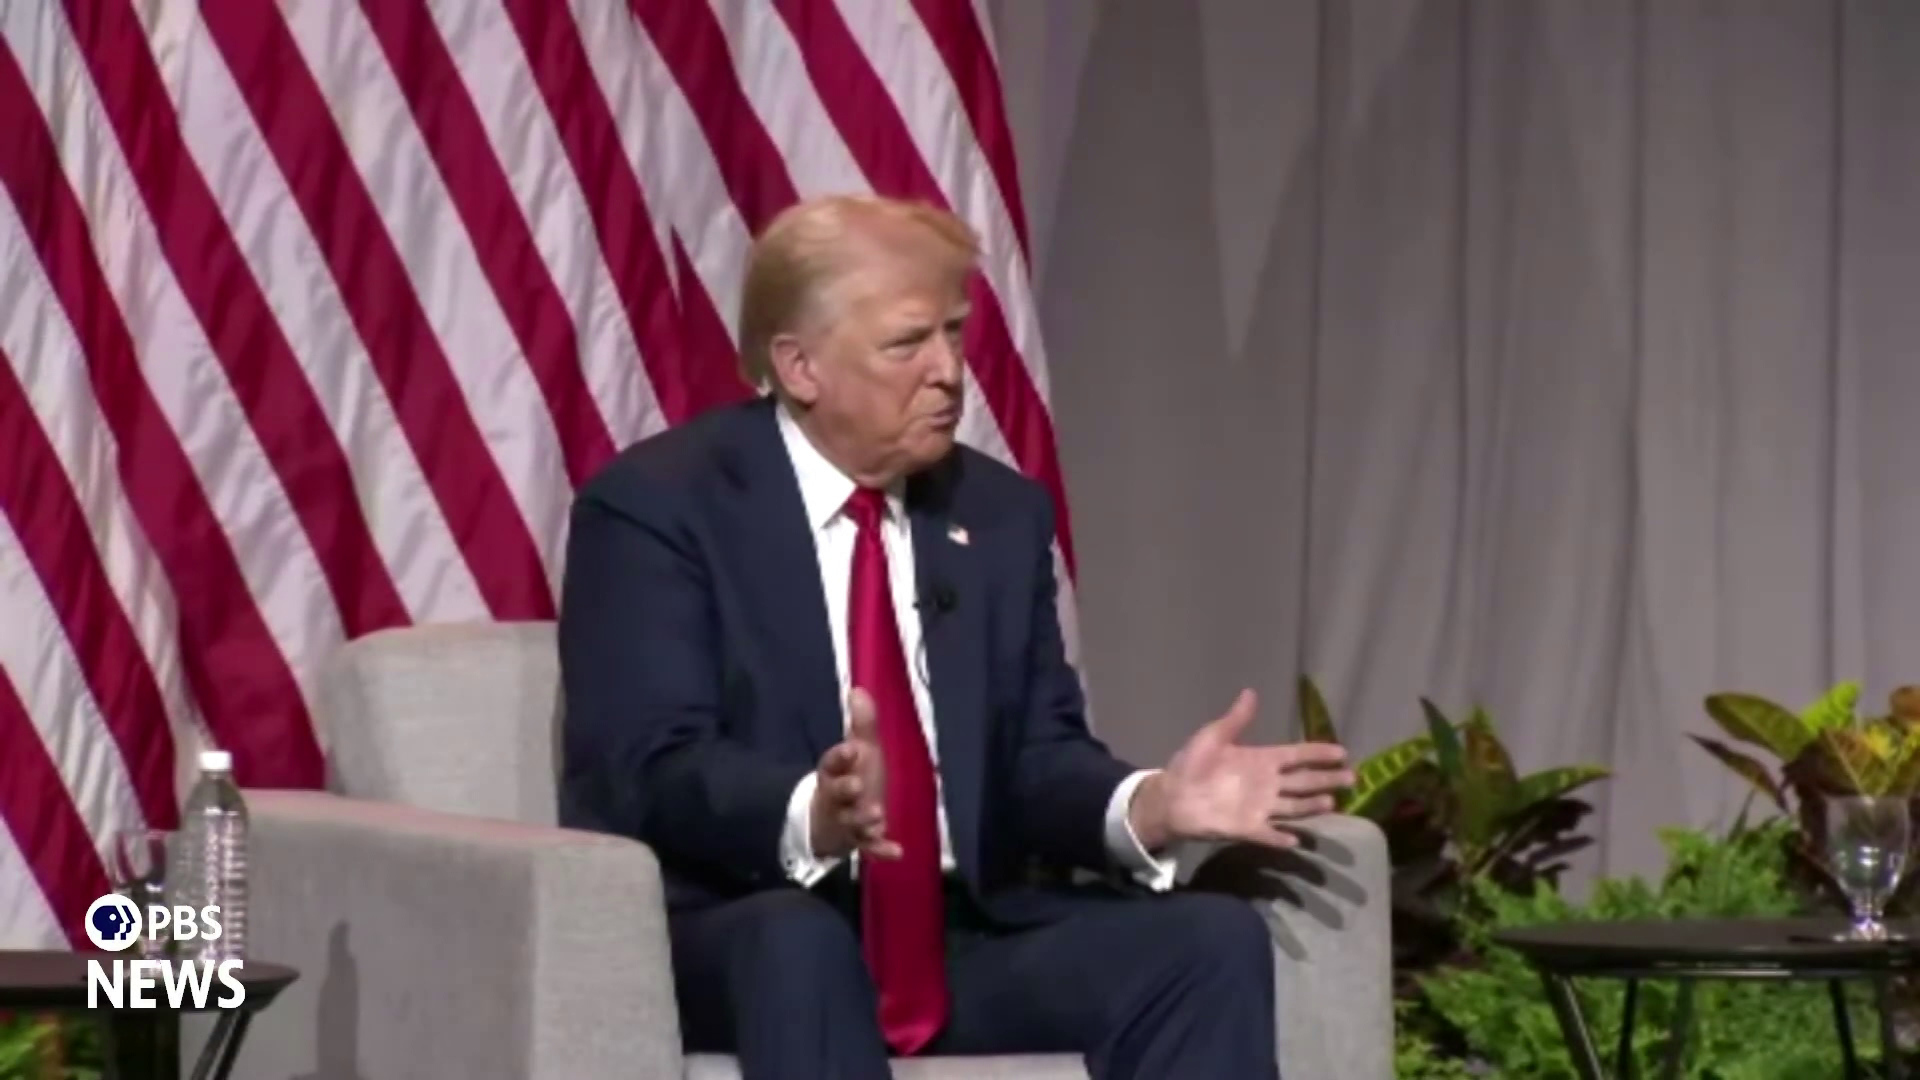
(216, 761)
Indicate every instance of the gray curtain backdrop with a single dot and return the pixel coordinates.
(1559, 357)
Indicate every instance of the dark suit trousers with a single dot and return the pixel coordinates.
(1171, 986)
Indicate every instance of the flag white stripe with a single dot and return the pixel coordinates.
(416, 545)
(493, 67)
(411, 197)
(691, 197)
(773, 74)
(178, 365)
(635, 86)
(26, 919)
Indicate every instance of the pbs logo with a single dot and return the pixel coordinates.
(113, 922)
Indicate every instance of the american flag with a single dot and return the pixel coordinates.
(314, 314)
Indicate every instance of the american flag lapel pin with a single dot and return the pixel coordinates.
(957, 534)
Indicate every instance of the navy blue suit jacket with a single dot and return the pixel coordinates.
(699, 675)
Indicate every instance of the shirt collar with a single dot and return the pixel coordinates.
(824, 489)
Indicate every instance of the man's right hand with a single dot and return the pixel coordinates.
(849, 800)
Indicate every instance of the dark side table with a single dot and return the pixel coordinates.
(141, 1043)
(1690, 950)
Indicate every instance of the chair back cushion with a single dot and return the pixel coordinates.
(457, 718)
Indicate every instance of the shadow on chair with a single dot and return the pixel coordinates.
(1306, 883)
(339, 1013)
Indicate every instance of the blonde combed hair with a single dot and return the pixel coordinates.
(806, 247)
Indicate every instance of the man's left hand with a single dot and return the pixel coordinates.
(1216, 789)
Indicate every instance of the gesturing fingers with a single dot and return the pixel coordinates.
(1303, 782)
(1309, 770)
(1307, 791)
(1292, 808)
(1312, 755)
(867, 822)
(845, 790)
(1272, 835)
(840, 760)
(862, 726)
(868, 825)
(852, 786)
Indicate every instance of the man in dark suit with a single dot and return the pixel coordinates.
(811, 657)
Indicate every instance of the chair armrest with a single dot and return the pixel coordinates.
(435, 945)
(1329, 907)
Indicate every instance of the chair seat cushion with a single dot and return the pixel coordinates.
(1007, 1067)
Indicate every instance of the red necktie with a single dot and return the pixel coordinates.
(903, 922)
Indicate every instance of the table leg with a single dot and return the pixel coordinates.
(1682, 1026)
(1843, 1026)
(1573, 1026)
(146, 1046)
(1623, 1057)
(223, 1045)
(1889, 1038)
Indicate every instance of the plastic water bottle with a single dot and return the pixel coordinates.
(212, 869)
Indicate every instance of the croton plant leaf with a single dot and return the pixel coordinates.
(1378, 777)
(1316, 722)
(1484, 751)
(1748, 767)
(1847, 762)
(1446, 740)
(1486, 782)
(1833, 709)
(1905, 778)
(1905, 703)
(1550, 784)
(1756, 720)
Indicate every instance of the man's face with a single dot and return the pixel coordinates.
(884, 368)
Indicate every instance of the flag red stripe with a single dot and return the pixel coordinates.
(237, 672)
(863, 111)
(694, 47)
(37, 497)
(59, 848)
(496, 225)
(300, 131)
(955, 29)
(612, 190)
(216, 282)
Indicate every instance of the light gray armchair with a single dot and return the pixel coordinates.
(444, 927)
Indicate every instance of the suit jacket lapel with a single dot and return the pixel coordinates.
(953, 626)
(770, 517)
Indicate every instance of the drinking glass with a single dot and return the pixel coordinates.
(1867, 838)
(138, 871)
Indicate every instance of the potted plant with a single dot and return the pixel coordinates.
(1456, 814)
(1828, 749)
(1825, 749)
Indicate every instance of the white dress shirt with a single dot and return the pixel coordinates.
(824, 490)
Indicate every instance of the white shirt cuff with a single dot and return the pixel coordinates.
(1155, 873)
(796, 838)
